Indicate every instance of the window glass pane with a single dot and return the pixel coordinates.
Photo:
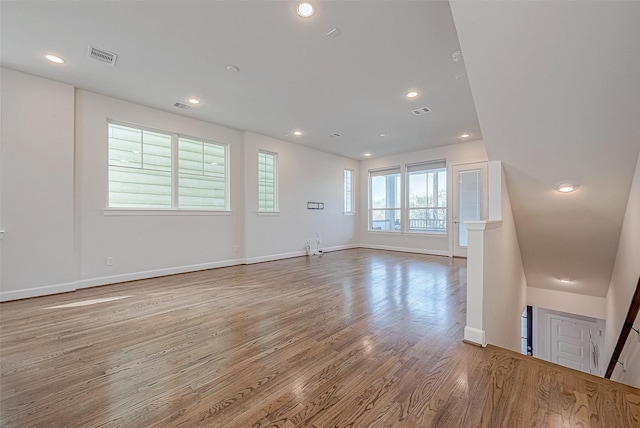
(427, 195)
(348, 191)
(202, 175)
(385, 200)
(266, 181)
(139, 168)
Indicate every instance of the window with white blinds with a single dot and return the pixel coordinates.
(385, 200)
(348, 191)
(160, 170)
(267, 181)
(427, 197)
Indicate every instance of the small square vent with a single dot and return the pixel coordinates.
(421, 110)
(182, 106)
(102, 55)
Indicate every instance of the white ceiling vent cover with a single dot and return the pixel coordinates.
(102, 55)
(182, 106)
(421, 110)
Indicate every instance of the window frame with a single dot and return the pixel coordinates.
(348, 190)
(425, 166)
(276, 206)
(393, 170)
(174, 171)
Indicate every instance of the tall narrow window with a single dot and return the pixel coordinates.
(143, 173)
(385, 199)
(139, 168)
(348, 191)
(427, 197)
(267, 182)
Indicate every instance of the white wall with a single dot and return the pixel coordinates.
(505, 285)
(304, 175)
(623, 284)
(37, 186)
(424, 243)
(147, 245)
(579, 304)
(55, 187)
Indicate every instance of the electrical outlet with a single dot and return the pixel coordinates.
(109, 261)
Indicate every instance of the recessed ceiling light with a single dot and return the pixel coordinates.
(54, 58)
(233, 68)
(305, 9)
(566, 186)
(565, 280)
(383, 135)
(194, 100)
(464, 136)
(412, 94)
(367, 154)
(298, 133)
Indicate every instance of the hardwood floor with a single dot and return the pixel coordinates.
(357, 338)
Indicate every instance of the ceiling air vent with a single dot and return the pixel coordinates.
(182, 106)
(102, 55)
(421, 110)
(336, 135)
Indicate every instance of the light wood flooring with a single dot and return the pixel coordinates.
(357, 338)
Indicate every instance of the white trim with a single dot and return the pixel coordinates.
(406, 250)
(114, 279)
(273, 257)
(46, 290)
(475, 335)
(483, 224)
(339, 248)
(268, 213)
(161, 211)
(349, 213)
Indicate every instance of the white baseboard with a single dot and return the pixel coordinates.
(6, 296)
(270, 258)
(475, 336)
(114, 279)
(405, 249)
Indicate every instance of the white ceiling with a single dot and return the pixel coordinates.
(557, 90)
(292, 75)
(555, 85)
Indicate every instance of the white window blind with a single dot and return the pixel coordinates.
(385, 199)
(427, 197)
(348, 191)
(202, 175)
(267, 181)
(139, 168)
(142, 173)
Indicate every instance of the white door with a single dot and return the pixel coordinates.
(571, 344)
(470, 201)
